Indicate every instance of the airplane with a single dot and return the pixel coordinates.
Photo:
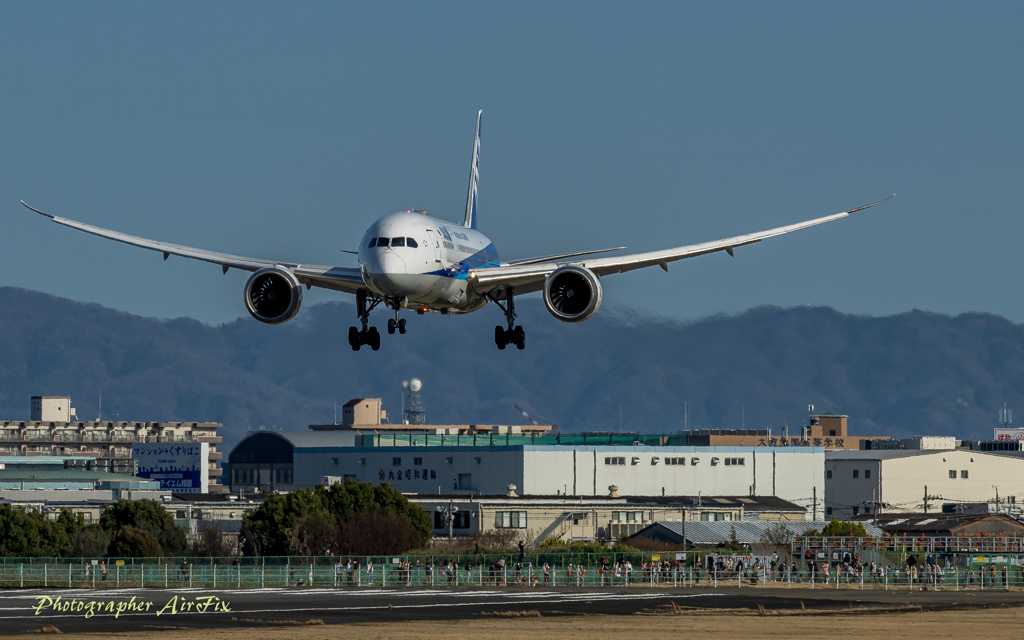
(410, 260)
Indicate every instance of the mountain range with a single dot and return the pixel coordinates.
(915, 373)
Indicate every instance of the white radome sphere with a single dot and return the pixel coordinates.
(415, 384)
(405, 384)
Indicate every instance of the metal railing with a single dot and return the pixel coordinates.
(814, 545)
(489, 571)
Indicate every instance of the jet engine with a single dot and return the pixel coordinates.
(572, 293)
(273, 295)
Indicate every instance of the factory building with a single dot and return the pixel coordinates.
(42, 479)
(104, 445)
(604, 518)
(918, 481)
(485, 465)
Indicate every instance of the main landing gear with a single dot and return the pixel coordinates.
(513, 335)
(368, 336)
(365, 303)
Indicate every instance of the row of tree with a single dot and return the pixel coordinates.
(344, 519)
(127, 528)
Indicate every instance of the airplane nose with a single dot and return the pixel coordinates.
(389, 271)
(389, 263)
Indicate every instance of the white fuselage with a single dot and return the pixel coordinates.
(434, 271)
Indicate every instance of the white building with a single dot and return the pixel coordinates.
(304, 458)
(859, 482)
(52, 409)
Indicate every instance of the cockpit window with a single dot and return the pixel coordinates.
(373, 243)
(409, 242)
(397, 242)
(382, 242)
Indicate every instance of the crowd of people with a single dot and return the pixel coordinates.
(847, 568)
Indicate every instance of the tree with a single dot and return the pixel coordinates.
(92, 541)
(130, 542)
(275, 528)
(777, 534)
(377, 533)
(211, 543)
(844, 529)
(31, 534)
(148, 516)
(313, 535)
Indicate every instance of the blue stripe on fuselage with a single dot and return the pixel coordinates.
(486, 257)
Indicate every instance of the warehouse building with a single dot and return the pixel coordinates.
(289, 459)
(918, 481)
(42, 479)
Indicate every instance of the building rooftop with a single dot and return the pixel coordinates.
(926, 522)
(747, 532)
(65, 475)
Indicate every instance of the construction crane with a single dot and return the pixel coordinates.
(554, 427)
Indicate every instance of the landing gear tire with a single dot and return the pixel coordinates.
(401, 326)
(391, 326)
(373, 338)
(519, 338)
(499, 337)
(354, 339)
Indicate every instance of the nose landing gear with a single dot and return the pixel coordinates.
(368, 336)
(513, 335)
(396, 322)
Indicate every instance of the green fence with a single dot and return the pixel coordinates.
(536, 570)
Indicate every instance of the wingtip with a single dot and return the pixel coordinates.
(27, 206)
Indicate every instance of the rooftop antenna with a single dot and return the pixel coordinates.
(99, 418)
(1005, 416)
(413, 411)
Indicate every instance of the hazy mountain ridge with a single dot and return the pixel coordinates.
(913, 373)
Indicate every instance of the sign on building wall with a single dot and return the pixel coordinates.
(1009, 434)
(180, 467)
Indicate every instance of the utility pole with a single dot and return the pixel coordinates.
(928, 498)
(814, 509)
(449, 516)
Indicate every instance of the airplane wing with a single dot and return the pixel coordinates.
(526, 278)
(346, 279)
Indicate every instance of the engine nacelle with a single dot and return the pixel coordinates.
(572, 293)
(273, 295)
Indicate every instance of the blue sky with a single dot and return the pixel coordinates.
(281, 130)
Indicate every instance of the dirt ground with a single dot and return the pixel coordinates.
(969, 623)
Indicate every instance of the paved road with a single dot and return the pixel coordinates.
(18, 613)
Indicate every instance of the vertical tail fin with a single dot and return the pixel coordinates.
(474, 177)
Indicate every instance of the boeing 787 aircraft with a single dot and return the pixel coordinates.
(409, 260)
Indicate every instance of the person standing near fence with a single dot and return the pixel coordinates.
(103, 570)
